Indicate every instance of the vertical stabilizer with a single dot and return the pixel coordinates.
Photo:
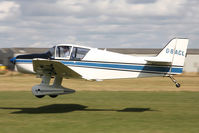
(175, 51)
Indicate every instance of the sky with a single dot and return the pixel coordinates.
(98, 23)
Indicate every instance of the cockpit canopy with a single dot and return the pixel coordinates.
(69, 52)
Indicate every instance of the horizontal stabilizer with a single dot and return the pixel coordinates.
(158, 60)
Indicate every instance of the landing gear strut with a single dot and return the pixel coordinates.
(174, 81)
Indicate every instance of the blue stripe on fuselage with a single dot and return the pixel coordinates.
(163, 69)
(119, 66)
(176, 70)
(23, 61)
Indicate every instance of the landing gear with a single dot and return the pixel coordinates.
(51, 90)
(174, 81)
(40, 96)
(46, 72)
(53, 96)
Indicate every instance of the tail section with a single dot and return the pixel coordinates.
(175, 52)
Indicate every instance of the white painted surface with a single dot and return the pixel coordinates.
(25, 68)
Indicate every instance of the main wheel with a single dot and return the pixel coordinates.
(40, 96)
(177, 85)
(53, 96)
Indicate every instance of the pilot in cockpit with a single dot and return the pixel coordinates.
(66, 50)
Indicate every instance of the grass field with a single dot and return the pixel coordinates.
(100, 112)
(25, 82)
(146, 105)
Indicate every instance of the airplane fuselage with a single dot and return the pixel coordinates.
(101, 64)
(74, 61)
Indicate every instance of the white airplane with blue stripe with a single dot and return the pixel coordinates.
(74, 61)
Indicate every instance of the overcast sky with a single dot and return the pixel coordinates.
(98, 23)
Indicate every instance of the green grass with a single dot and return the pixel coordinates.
(100, 112)
(25, 83)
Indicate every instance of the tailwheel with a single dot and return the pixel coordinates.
(174, 81)
(178, 85)
(40, 96)
(53, 96)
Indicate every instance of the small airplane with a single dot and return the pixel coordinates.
(74, 61)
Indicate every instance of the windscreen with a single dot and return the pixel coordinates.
(51, 52)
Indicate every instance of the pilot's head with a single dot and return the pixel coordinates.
(66, 48)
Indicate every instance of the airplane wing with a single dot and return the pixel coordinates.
(42, 66)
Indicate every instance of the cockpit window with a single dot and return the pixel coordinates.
(63, 51)
(78, 53)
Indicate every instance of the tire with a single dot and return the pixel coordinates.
(53, 96)
(177, 85)
(40, 96)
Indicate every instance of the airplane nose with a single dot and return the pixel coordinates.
(13, 60)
